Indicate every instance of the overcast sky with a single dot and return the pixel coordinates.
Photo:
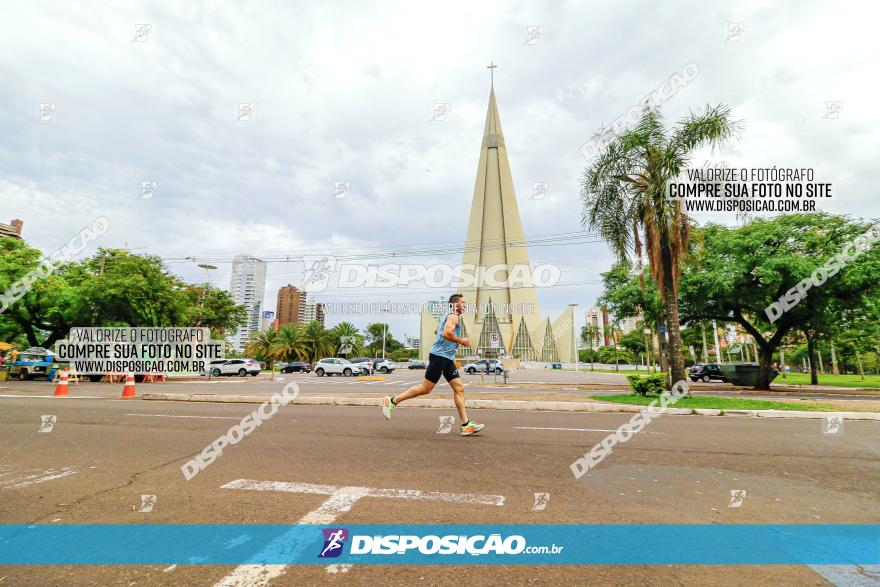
(344, 92)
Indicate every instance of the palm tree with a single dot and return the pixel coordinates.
(318, 341)
(613, 330)
(290, 342)
(353, 337)
(588, 334)
(261, 345)
(624, 195)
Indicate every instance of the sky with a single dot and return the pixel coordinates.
(346, 92)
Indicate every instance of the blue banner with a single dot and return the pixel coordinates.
(519, 544)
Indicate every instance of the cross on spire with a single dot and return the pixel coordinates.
(491, 67)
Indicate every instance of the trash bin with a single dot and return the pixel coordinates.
(557, 365)
(745, 374)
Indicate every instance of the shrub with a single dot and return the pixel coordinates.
(655, 383)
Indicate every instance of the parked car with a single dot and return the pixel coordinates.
(297, 367)
(211, 366)
(417, 365)
(383, 366)
(364, 361)
(484, 366)
(706, 373)
(31, 364)
(240, 367)
(339, 367)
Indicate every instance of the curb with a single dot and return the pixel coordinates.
(490, 404)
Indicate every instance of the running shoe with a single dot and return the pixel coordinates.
(387, 407)
(471, 428)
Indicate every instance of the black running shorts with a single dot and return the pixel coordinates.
(438, 365)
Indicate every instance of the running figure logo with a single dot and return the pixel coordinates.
(47, 423)
(736, 498)
(334, 540)
(446, 423)
(318, 269)
(541, 500)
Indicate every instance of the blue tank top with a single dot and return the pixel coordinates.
(443, 347)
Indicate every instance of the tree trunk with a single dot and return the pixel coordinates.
(834, 369)
(648, 345)
(782, 361)
(676, 362)
(660, 350)
(859, 362)
(821, 364)
(763, 382)
(811, 353)
(705, 352)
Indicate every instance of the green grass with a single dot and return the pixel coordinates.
(719, 403)
(835, 380)
(621, 372)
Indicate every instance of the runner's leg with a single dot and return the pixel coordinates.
(422, 388)
(458, 398)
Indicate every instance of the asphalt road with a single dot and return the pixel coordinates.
(102, 455)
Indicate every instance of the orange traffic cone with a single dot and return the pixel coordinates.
(128, 390)
(61, 388)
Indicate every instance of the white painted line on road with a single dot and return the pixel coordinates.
(47, 475)
(341, 500)
(252, 485)
(52, 397)
(174, 416)
(849, 575)
(574, 429)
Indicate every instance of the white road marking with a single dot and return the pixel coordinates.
(59, 397)
(574, 429)
(849, 575)
(174, 416)
(341, 500)
(252, 485)
(27, 480)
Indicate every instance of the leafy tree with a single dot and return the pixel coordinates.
(318, 341)
(131, 290)
(589, 334)
(375, 333)
(209, 306)
(50, 304)
(262, 346)
(290, 343)
(633, 341)
(624, 195)
(353, 336)
(737, 272)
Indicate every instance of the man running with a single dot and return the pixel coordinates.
(442, 360)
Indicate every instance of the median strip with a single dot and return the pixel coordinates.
(526, 405)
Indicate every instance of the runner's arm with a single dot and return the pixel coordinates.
(449, 330)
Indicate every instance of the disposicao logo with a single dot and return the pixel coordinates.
(334, 540)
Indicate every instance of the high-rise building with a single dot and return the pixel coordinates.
(597, 317)
(504, 319)
(311, 310)
(13, 229)
(248, 286)
(629, 324)
(267, 320)
(290, 304)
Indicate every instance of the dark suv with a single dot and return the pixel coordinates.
(706, 373)
(296, 367)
